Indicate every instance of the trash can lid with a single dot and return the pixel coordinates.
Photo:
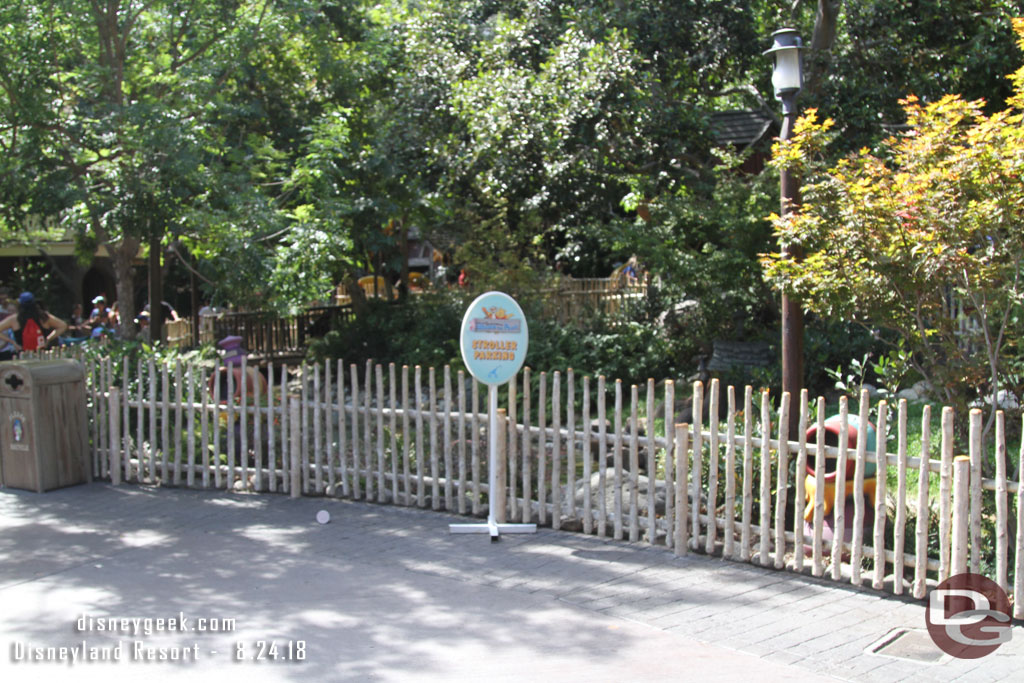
(229, 343)
(233, 347)
(18, 377)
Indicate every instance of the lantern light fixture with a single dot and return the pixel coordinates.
(787, 73)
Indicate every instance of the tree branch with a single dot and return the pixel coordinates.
(174, 250)
(824, 36)
(749, 89)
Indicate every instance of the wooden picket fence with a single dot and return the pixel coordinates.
(584, 454)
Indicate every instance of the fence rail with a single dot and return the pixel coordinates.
(572, 298)
(179, 333)
(581, 453)
(268, 336)
(265, 335)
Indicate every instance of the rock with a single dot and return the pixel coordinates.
(919, 392)
(1005, 400)
(643, 483)
(908, 394)
(678, 316)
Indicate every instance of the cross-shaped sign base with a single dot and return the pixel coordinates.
(493, 528)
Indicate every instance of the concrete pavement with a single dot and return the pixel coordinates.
(225, 582)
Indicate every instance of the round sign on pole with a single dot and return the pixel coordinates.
(494, 338)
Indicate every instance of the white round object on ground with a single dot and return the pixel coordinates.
(323, 516)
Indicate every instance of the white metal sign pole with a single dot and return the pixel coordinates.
(492, 526)
(492, 459)
(493, 349)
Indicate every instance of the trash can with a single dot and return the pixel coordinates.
(43, 435)
(833, 429)
(833, 426)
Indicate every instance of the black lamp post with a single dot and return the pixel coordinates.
(787, 78)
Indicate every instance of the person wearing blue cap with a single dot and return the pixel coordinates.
(27, 330)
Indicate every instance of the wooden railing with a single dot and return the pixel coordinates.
(633, 463)
(179, 333)
(264, 335)
(574, 298)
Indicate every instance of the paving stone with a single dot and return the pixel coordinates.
(784, 657)
(804, 626)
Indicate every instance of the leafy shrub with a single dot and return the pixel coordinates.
(423, 331)
(830, 345)
(120, 350)
(630, 351)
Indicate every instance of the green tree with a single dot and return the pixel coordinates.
(133, 121)
(530, 122)
(881, 50)
(360, 178)
(923, 239)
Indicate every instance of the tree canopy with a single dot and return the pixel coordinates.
(284, 146)
(922, 238)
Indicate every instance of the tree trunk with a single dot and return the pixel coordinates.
(121, 256)
(355, 294)
(825, 22)
(194, 304)
(156, 290)
(403, 242)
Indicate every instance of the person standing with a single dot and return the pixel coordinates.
(27, 331)
(114, 316)
(7, 350)
(170, 314)
(631, 271)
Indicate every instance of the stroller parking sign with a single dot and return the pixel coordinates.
(494, 338)
(493, 341)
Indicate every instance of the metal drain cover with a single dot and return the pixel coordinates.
(911, 644)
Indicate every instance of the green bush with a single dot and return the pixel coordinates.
(425, 331)
(630, 351)
(830, 345)
(120, 350)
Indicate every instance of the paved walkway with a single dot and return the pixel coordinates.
(387, 594)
